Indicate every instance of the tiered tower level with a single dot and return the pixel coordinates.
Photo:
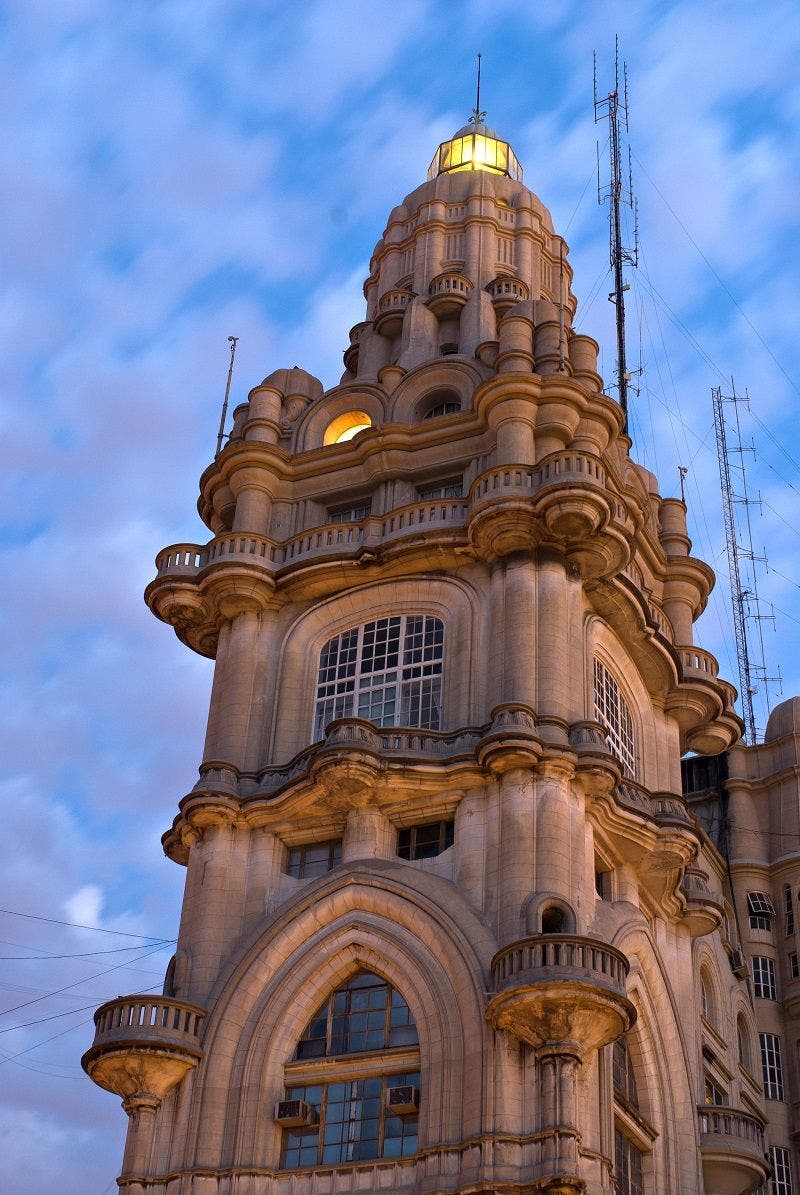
(443, 893)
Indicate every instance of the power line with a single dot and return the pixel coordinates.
(95, 928)
(76, 984)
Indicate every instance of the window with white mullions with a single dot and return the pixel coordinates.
(764, 985)
(388, 671)
(772, 1065)
(781, 1181)
(611, 709)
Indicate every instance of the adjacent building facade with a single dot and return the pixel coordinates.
(450, 924)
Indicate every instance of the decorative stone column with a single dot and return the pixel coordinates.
(231, 693)
(141, 1108)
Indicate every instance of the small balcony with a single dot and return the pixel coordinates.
(448, 292)
(391, 309)
(558, 987)
(144, 1044)
(506, 292)
(732, 1149)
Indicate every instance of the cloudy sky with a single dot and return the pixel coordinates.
(176, 172)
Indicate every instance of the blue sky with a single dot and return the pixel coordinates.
(177, 172)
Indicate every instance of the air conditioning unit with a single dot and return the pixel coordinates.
(295, 1114)
(402, 1101)
(738, 964)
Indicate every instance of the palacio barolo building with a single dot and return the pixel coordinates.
(450, 923)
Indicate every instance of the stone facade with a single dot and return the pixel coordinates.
(455, 676)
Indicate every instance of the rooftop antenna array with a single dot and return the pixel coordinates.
(614, 108)
(744, 597)
(233, 340)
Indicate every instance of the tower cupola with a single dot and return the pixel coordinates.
(475, 147)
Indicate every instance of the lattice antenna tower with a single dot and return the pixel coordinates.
(613, 107)
(750, 658)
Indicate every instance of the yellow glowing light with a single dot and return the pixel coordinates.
(344, 427)
(475, 151)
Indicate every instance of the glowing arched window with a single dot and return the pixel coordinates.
(388, 671)
(611, 709)
(345, 426)
(358, 1107)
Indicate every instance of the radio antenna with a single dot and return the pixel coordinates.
(614, 108)
(221, 436)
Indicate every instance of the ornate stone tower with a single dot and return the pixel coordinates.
(443, 894)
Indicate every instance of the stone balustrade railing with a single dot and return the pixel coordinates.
(394, 300)
(451, 282)
(148, 1020)
(697, 662)
(587, 959)
(730, 1123)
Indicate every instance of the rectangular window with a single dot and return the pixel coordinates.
(424, 842)
(628, 1170)
(772, 1065)
(794, 966)
(714, 1094)
(781, 1182)
(602, 883)
(761, 911)
(788, 912)
(350, 514)
(764, 986)
(314, 858)
(354, 1123)
(452, 488)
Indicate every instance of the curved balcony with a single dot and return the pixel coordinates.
(561, 988)
(391, 309)
(143, 1044)
(732, 1149)
(351, 352)
(448, 292)
(505, 292)
(704, 910)
(698, 663)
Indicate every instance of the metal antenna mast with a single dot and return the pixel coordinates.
(745, 599)
(477, 116)
(233, 342)
(611, 107)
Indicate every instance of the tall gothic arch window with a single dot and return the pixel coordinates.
(633, 1136)
(352, 1090)
(612, 710)
(388, 671)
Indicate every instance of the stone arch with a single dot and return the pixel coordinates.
(708, 988)
(451, 599)
(746, 1037)
(409, 400)
(310, 430)
(669, 1097)
(535, 909)
(422, 939)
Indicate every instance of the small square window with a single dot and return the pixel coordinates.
(425, 842)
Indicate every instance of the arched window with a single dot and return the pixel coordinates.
(388, 671)
(345, 426)
(611, 710)
(743, 1044)
(361, 1105)
(623, 1073)
(633, 1136)
(442, 401)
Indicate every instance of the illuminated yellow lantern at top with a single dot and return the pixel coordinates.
(475, 147)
